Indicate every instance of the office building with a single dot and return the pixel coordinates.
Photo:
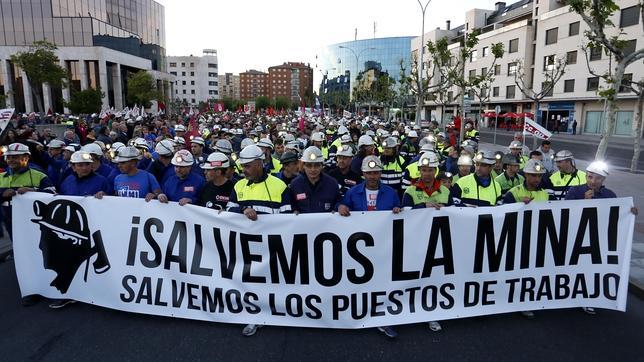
(196, 77)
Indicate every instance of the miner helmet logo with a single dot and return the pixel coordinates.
(66, 241)
(466, 190)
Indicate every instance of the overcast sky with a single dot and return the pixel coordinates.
(256, 34)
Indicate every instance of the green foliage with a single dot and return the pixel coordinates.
(141, 89)
(3, 101)
(229, 103)
(282, 102)
(41, 64)
(262, 102)
(85, 102)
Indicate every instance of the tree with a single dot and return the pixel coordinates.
(141, 88)
(41, 65)
(638, 89)
(282, 102)
(553, 69)
(452, 68)
(85, 102)
(412, 84)
(596, 14)
(262, 102)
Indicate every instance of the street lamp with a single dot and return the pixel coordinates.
(420, 103)
(357, 55)
(325, 76)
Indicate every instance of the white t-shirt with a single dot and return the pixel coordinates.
(372, 197)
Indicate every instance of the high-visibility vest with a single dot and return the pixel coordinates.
(474, 194)
(440, 196)
(507, 183)
(562, 182)
(519, 192)
(265, 197)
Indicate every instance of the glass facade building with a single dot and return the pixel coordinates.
(136, 27)
(351, 58)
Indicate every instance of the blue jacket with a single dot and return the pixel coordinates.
(190, 187)
(86, 186)
(321, 197)
(55, 165)
(356, 198)
(577, 193)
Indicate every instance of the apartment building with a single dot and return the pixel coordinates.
(291, 80)
(229, 86)
(535, 33)
(196, 77)
(253, 84)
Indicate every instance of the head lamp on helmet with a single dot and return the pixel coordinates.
(312, 155)
(250, 153)
(81, 157)
(534, 167)
(371, 163)
(183, 158)
(598, 167)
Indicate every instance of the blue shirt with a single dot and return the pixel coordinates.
(136, 186)
(308, 198)
(190, 187)
(356, 198)
(86, 186)
(577, 193)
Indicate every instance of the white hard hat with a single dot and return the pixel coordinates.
(464, 161)
(127, 153)
(288, 137)
(365, 140)
(139, 143)
(16, 149)
(183, 158)
(247, 142)
(312, 154)
(428, 159)
(216, 160)
(250, 153)
(117, 145)
(412, 134)
(70, 148)
(345, 150)
(164, 147)
(81, 157)
(93, 149)
(317, 137)
(265, 142)
(390, 142)
(427, 147)
(515, 145)
(563, 155)
(371, 163)
(342, 130)
(56, 144)
(180, 128)
(534, 166)
(179, 141)
(198, 140)
(224, 146)
(598, 167)
(485, 157)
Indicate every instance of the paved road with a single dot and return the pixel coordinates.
(619, 155)
(84, 332)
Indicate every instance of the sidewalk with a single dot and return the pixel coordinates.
(623, 184)
(622, 142)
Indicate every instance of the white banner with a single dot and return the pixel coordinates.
(535, 129)
(5, 117)
(324, 270)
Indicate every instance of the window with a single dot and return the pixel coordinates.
(569, 85)
(571, 57)
(513, 47)
(212, 74)
(450, 96)
(497, 69)
(549, 63)
(212, 92)
(192, 82)
(173, 73)
(593, 84)
(192, 74)
(212, 84)
(173, 64)
(551, 36)
(184, 91)
(474, 55)
(626, 83)
(212, 65)
(183, 82)
(193, 101)
(573, 29)
(183, 64)
(495, 92)
(512, 68)
(595, 53)
(629, 47)
(192, 65)
(630, 16)
(483, 71)
(183, 74)
(544, 88)
(192, 91)
(486, 52)
(509, 92)
(472, 74)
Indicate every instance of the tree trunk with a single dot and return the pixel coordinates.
(611, 103)
(637, 123)
(419, 108)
